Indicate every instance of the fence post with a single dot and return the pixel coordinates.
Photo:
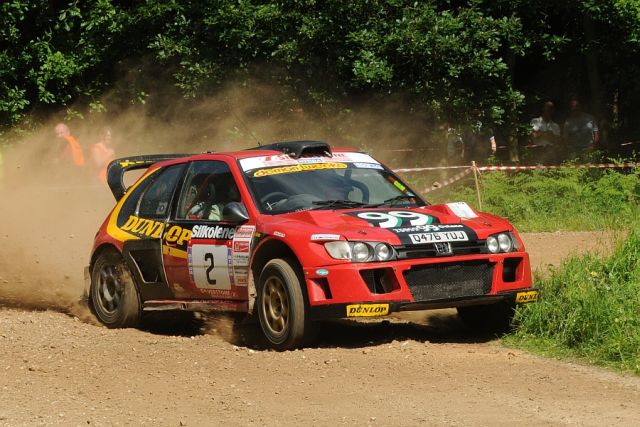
(475, 178)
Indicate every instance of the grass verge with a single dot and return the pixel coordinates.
(565, 199)
(589, 308)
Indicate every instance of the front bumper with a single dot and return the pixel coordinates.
(377, 289)
(375, 309)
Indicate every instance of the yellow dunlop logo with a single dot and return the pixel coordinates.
(524, 297)
(146, 227)
(367, 310)
(299, 168)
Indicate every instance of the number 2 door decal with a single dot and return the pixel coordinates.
(393, 219)
(209, 264)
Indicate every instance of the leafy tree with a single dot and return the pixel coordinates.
(449, 58)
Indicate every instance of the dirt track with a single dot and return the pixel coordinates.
(416, 369)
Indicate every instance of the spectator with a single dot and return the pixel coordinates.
(580, 133)
(455, 146)
(479, 141)
(545, 135)
(102, 154)
(72, 146)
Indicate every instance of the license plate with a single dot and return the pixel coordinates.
(367, 310)
(524, 297)
(440, 236)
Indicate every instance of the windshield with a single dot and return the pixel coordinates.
(325, 183)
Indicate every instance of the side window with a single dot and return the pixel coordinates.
(133, 197)
(207, 188)
(156, 200)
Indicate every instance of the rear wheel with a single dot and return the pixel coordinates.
(113, 294)
(281, 306)
(489, 318)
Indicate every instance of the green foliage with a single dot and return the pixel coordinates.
(589, 308)
(564, 199)
(449, 58)
(52, 55)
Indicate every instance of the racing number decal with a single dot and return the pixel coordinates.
(395, 218)
(209, 257)
(209, 266)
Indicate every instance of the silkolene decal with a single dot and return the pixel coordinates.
(414, 228)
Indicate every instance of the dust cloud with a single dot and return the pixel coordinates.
(50, 210)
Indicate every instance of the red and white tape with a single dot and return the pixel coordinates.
(439, 185)
(431, 168)
(623, 165)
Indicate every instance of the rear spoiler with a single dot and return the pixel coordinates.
(118, 167)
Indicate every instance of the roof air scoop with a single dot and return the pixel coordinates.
(298, 149)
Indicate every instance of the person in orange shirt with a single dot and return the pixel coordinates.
(72, 147)
(102, 154)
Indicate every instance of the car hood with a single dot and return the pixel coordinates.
(392, 225)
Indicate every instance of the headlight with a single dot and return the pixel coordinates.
(339, 250)
(359, 251)
(501, 242)
(383, 252)
(493, 245)
(504, 240)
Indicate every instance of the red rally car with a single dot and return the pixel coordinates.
(296, 232)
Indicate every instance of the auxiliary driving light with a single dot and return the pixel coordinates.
(493, 245)
(383, 252)
(361, 252)
(505, 243)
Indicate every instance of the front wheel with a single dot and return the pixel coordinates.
(489, 318)
(281, 306)
(113, 294)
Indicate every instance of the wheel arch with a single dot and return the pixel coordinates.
(268, 250)
(99, 251)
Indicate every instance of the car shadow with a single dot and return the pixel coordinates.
(424, 327)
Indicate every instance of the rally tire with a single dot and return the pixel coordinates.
(281, 305)
(490, 318)
(113, 295)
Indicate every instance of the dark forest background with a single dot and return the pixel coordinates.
(447, 62)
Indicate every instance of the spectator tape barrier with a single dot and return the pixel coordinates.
(437, 185)
(623, 165)
(431, 168)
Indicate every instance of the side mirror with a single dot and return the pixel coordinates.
(235, 212)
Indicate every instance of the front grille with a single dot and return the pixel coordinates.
(429, 250)
(445, 281)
